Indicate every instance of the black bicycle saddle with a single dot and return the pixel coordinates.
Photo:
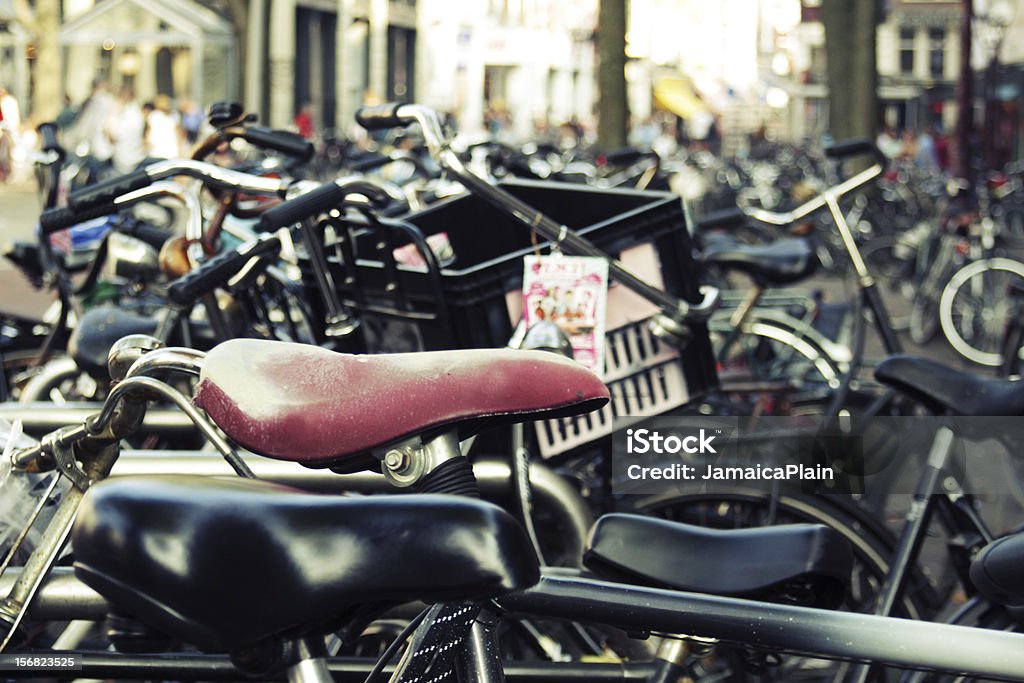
(779, 263)
(225, 563)
(808, 564)
(946, 390)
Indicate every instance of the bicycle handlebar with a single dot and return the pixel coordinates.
(107, 191)
(217, 271)
(831, 194)
(54, 220)
(322, 199)
(62, 218)
(286, 142)
(384, 116)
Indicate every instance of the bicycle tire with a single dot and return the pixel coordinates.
(957, 318)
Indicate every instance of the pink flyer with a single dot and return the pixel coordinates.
(572, 292)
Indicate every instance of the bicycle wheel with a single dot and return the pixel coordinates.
(974, 308)
(770, 351)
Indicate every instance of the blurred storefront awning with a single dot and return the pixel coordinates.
(678, 96)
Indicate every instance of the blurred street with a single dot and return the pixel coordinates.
(19, 211)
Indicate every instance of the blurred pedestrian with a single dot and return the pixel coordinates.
(192, 119)
(304, 120)
(10, 125)
(942, 150)
(126, 128)
(89, 137)
(164, 136)
(888, 143)
(10, 112)
(908, 145)
(644, 133)
(927, 158)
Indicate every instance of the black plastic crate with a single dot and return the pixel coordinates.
(464, 304)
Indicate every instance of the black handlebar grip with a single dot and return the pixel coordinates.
(381, 116)
(144, 232)
(187, 289)
(725, 218)
(48, 135)
(626, 155)
(55, 220)
(369, 163)
(286, 142)
(849, 148)
(320, 200)
(106, 191)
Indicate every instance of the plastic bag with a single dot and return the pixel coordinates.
(20, 492)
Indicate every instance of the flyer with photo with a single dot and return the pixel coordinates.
(572, 292)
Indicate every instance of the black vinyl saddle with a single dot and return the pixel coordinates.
(779, 263)
(808, 564)
(946, 390)
(996, 571)
(102, 327)
(226, 563)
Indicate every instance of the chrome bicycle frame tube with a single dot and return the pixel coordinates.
(816, 632)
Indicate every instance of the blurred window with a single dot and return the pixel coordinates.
(907, 50)
(936, 52)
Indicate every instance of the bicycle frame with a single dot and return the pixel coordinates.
(636, 609)
(866, 283)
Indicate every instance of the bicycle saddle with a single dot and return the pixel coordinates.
(809, 564)
(314, 406)
(100, 328)
(996, 573)
(223, 563)
(943, 389)
(778, 263)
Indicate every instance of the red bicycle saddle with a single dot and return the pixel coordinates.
(314, 406)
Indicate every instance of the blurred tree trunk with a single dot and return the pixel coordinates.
(612, 106)
(852, 72)
(44, 25)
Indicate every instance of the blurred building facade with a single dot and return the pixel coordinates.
(521, 65)
(918, 55)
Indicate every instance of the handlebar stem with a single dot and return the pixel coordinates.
(194, 221)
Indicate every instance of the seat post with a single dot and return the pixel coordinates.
(309, 662)
(742, 312)
(434, 465)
